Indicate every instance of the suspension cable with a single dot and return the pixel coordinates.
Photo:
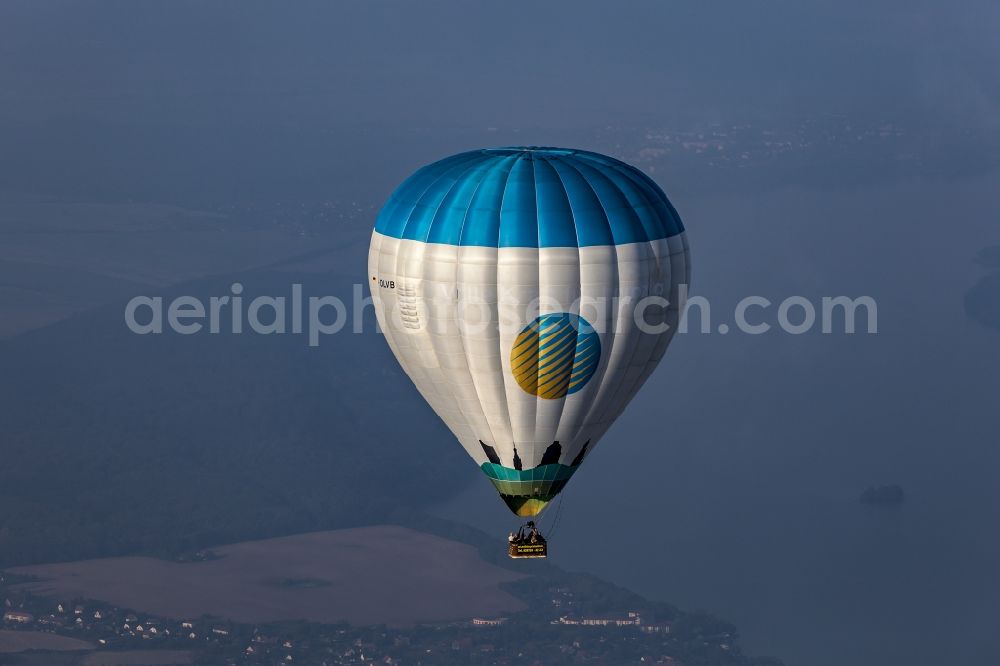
(555, 520)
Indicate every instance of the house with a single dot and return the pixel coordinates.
(19, 617)
(604, 622)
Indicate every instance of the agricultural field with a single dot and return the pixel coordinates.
(22, 641)
(369, 575)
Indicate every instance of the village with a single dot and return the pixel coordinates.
(551, 633)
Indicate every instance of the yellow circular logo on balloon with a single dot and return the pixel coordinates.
(555, 355)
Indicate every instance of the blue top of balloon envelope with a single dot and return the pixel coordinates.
(529, 197)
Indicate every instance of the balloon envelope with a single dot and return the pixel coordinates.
(528, 293)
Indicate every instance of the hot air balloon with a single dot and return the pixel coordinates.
(528, 293)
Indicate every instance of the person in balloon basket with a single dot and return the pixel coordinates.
(533, 536)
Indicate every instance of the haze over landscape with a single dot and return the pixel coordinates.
(812, 149)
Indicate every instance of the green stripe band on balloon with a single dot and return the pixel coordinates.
(527, 491)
